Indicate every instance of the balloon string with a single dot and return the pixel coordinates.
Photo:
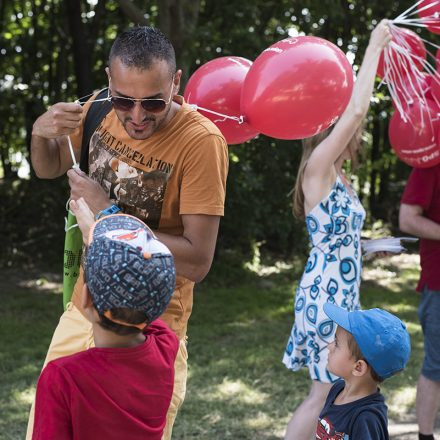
(432, 44)
(239, 119)
(393, 77)
(407, 12)
(423, 8)
(72, 154)
(418, 23)
(68, 228)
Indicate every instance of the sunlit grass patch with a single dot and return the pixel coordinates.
(237, 388)
(400, 400)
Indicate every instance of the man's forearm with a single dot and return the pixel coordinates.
(45, 157)
(189, 263)
(421, 227)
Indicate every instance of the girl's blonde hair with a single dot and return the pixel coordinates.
(309, 145)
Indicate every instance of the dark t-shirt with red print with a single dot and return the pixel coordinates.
(364, 419)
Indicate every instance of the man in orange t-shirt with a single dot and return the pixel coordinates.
(151, 156)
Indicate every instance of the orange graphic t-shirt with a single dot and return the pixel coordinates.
(181, 169)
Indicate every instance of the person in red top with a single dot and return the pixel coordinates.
(420, 216)
(122, 388)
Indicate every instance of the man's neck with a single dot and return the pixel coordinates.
(356, 388)
(108, 339)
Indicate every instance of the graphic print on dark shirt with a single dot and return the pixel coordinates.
(362, 419)
(136, 192)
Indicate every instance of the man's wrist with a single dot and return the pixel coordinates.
(112, 209)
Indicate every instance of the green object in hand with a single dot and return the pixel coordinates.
(72, 257)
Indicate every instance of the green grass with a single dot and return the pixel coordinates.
(237, 387)
(28, 316)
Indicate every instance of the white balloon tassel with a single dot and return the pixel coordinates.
(239, 119)
(407, 12)
(404, 78)
(72, 153)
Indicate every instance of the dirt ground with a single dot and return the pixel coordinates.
(406, 428)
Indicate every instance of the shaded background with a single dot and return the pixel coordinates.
(52, 50)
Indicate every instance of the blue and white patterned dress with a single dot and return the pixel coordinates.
(332, 274)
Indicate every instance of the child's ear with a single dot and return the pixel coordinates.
(360, 368)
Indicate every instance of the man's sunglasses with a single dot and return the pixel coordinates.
(150, 105)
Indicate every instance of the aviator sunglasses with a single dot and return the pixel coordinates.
(151, 105)
(123, 103)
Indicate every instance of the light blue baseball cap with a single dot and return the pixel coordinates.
(382, 337)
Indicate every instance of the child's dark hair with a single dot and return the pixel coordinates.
(357, 354)
(130, 316)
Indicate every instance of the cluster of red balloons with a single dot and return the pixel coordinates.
(295, 88)
(414, 129)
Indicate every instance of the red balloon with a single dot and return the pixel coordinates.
(415, 141)
(412, 88)
(217, 86)
(411, 41)
(297, 88)
(430, 15)
(435, 88)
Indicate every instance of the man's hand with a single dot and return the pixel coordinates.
(84, 217)
(83, 186)
(61, 119)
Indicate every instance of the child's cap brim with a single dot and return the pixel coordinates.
(338, 315)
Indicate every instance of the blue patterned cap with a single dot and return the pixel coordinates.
(127, 266)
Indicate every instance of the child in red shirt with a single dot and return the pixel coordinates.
(122, 388)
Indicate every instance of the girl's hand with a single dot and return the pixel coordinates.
(381, 35)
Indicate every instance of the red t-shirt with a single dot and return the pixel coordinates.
(423, 189)
(108, 393)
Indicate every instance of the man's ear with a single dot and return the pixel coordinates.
(360, 368)
(177, 78)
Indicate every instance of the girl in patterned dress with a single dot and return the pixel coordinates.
(334, 219)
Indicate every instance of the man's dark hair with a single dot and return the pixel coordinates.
(141, 46)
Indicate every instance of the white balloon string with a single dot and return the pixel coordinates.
(398, 54)
(72, 153)
(431, 43)
(239, 119)
(407, 12)
(68, 228)
(423, 8)
(81, 100)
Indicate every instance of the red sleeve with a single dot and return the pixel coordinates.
(52, 413)
(419, 188)
(166, 339)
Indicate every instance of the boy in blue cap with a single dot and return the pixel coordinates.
(369, 346)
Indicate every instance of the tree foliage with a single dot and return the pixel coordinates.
(53, 50)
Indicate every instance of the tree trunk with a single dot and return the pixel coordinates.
(375, 152)
(385, 177)
(133, 13)
(80, 48)
(178, 20)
